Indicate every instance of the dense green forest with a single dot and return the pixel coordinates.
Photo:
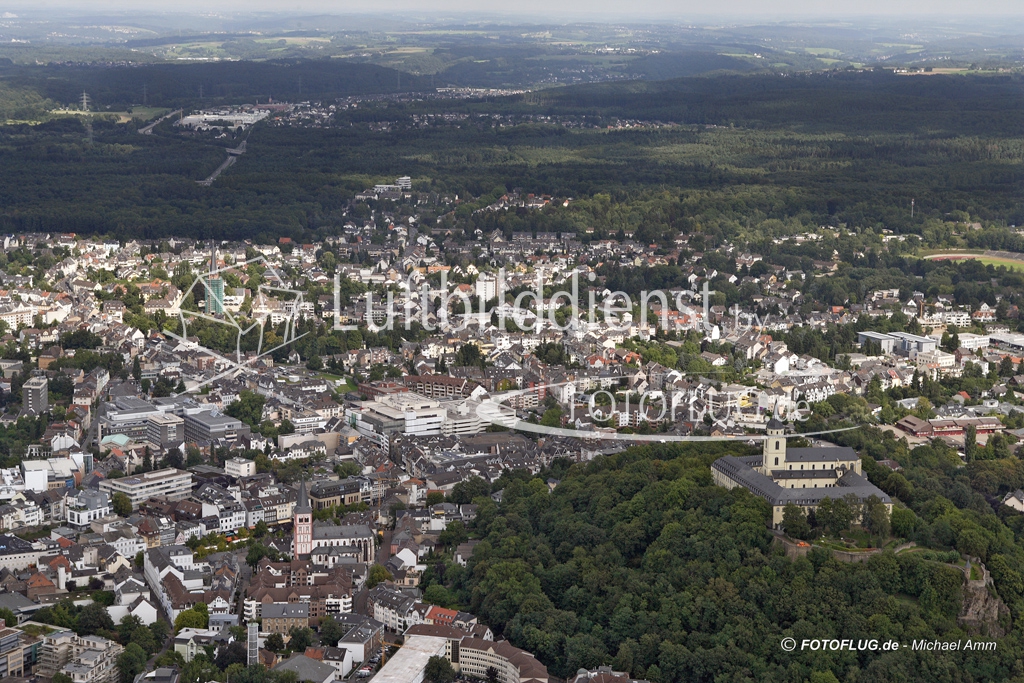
(852, 102)
(638, 561)
(825, 149)
(171, 84)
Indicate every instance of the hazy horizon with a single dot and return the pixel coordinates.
(537, 12)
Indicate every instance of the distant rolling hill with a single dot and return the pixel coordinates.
(667, 65)
(168, 84)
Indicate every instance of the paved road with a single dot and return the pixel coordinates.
(244, 577)
(359, 601)
(220, 169)
(148, 130)
(233, 155)
(150, 665)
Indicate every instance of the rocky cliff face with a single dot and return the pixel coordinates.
(983, 612)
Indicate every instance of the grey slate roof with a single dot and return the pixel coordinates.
(307, 669)
(280, 610)
(819, 454)
(741, 471)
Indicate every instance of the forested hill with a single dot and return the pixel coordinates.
(848, 102)
(173, 84)
(639, 561)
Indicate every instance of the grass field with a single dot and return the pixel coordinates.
(823, 52)
(1013, 264)
(148, 113)
(1009, 263)
(140, 113)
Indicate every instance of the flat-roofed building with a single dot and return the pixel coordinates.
(973, 342)
(164, 430)
(1008, 340)
(936, 362)
(52, 473)
(35, 396)
(17, 651)
(912, 344)
(885, 342)
(93, 660)
(129, 417)
(470, 656)
(402, 413)
(56, 651)
(240, 467)
(170, 483)
(210, 426)
(83, 507)
(409, 664)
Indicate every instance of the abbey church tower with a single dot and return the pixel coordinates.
(774, 446)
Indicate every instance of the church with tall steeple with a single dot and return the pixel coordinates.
(302, 524)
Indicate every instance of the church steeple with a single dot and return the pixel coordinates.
(302, 524)
(302, 504)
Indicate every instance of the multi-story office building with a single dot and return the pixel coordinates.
(18, 651)
(214, 294)
(404, 413)
(169, 483)
(130, 418)
(210, 426)
(164, 430)
(973, 342)
(35, 396)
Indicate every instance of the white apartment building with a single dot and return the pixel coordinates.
(86, 506)
(958, 318)
(486, 287)
(461, 417)
(18, 315)
(93, 660)
(240, 467)
(171, 484)
(232, 518)
(936, 362)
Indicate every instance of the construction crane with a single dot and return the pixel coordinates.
(384, 650)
